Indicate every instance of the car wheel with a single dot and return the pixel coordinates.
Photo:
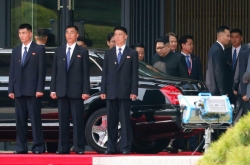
(96, 131)
(149, 147)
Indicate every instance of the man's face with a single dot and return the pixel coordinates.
(25, 35)
(173, 43)
(225, 37)
(236, 39)
(71, 35)
(141, 53)
(111, 43)
(120, 37)
(81, 43)
(188, 46)
(162, 49)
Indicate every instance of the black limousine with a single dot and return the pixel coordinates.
(155, 114)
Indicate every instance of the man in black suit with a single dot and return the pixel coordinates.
(232, 57)
(26, 86)
(41, 36)
(119, 86)
(171, 63)
(70, 84)
(217, 70)
(239, 86)
(193, 62)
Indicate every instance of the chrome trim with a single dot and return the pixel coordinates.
(155, 122)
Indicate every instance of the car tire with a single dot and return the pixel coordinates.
(96, 131)
(149, 147)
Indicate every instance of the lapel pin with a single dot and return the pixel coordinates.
(79, 56)
(128, 56)
(33, 53)
(64, 59)
(115, 62)
(18, 60)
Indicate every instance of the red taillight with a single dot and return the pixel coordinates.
(171, 92)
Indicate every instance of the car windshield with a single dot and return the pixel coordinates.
(149, 71)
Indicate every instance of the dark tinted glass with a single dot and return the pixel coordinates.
(94, 69)
(4, 64)
(149, 71)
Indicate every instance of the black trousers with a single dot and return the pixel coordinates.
(27, 106)
(71, 107)
(119, 110)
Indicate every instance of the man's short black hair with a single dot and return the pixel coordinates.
(72, 26)
(222, 29)
(81, 39)
(172, 34)
(41, 32)
(236, 31)
(25, 26)
(184, 39)
(164, 39)
(121, 28)
(110, 35)
(137, 45)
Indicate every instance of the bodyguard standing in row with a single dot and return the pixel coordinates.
(26, 86)
(70, 84)
(119, 86)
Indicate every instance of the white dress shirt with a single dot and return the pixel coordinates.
(28, 46)
(71, 50)
(117, 49)
(237, 51)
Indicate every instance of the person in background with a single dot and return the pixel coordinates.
(232, 53)
(167, 61)
(139, 47)
(111, 40)
(41, 36)
(173, 41)
(26, 86)
(81, 42)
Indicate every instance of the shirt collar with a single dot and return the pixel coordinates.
(221, 45)
(123, 47)
(237, 49)
(71, 46)
(28, 46)
(185, 54)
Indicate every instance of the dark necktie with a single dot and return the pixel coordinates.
(119, 55)
(24, 55)
(188, 62)
(234, 59)
(68, 58)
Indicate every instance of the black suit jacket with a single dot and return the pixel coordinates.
(28, 79)
(196, 71)
(74, 82)
(241, 67)
(173, 64)
(120, 80)
(217, 71)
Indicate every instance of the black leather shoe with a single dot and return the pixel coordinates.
(80, 152)
(36, 152)
(58, 152)
(125, 152)
(20, 152)
(109, 152)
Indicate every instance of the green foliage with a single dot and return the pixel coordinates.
(26, 12)
(232, 148)
(98, 34)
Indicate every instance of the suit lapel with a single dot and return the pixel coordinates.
(19, 56)
(124, 54)
(62, 56)
(74, 54)
(31, 50)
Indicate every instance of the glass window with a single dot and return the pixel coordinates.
(96, 18)
(94, 69)
(5, 64)
(38, 13)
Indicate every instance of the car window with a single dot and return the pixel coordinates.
(149, 71)
(94, 68)
(49, 62)
(5, 64)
